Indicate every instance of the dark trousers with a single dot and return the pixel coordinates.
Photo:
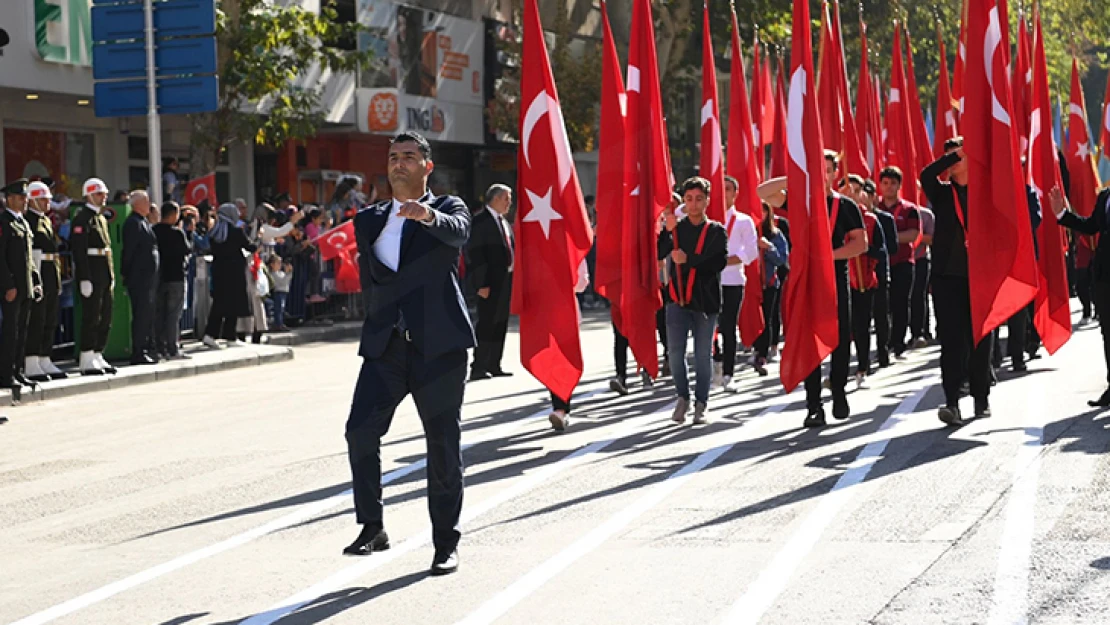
(437, 390)
(770, 323)
(142, 317)
(661, 328)
(901, 288)
(960, 358)
(17, 315)
(558, 404)
(919, 313)
(43, 322)
(221, 320)
(1101, 293)
(493, 324)
(1017, 327)
(1083, 289)
(96, 318)
(620, 354)
(862, 303)
(169, 304)
(838, 371)
(881, 314)
(728, 325)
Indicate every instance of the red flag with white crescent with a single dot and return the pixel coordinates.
(1080, 150)
(946, 127)
(762, 120)
(711, 165)
(900, 145)
(611, 177)
(1105, 125)
(778, 142)
(199, 189)
(921, 149)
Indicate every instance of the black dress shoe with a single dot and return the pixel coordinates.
(501, 374)
(109, 369)
(950, 415)
(982, 409)
(143, 359)
(372, 538)
(61, 375)
(24, 380)
(477, 376)
(39, 378)
(840, 408)
(1101, 402)
(815, 419)
(1019, 367)
(445, 564)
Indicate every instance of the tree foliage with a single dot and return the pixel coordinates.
(263, 51)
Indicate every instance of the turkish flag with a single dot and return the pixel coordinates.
(611, 188)
(809, 299)
(961, 60)
(1022, 84)
(1052, 306)
(762, 120)
(767, 87)
(869, 126)
(828, 88)
(1001, 265)
(339, 244)
(900, 145)
(854, 161)
(199, 189)
(921, 152)
(711, 165)
(648, 161)
(743, 164)
(1080, 151)
(778, 142)
(1105, 138)
(553, 233)
(946, 111)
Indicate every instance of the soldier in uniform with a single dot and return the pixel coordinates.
(92, 262)
(44, 314)
(19, 284)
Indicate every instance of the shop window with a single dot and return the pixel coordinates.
(68, 158)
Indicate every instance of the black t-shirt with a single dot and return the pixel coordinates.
(848, 218)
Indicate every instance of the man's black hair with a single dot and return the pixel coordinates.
(734, 181)
(698, 183)
(953, 143)
(417, 138)
(892, 172)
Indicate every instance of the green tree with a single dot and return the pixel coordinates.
(263, 49)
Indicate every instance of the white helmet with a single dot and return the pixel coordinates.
(38, 190)
(94, 185)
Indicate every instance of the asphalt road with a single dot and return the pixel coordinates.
(222, 499)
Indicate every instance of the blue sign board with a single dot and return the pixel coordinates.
(173, 57)
(174, 18)
(176, 96)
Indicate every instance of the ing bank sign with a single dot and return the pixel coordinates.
(63, 31)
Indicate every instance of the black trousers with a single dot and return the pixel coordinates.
(862, 304)
(901, 290)
(558, 404)
(43, 322)
(838, 370)
(661, 326)
(17, 314)
(960, 358)
(1016, 337)
(437, 390)
(96, 317)
(919, 300)
(728, 325)
(881, 315)
(1101, 293)
(770, 322)
(1083, 289)
(221, 320)
(620, 355)
(142, 317)
(493, 324)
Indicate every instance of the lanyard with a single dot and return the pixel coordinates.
(731, 222)
(693, 272)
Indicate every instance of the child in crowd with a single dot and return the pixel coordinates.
(281, 276)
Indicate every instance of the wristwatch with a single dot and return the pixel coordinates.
(431, 218)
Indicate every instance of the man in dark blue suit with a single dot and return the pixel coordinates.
(414, 340)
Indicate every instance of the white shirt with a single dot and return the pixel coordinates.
(18, 216)
(388, 246)
(742, 242)
(269, 234)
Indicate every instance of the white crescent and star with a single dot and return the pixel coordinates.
(795, 141)
(542, 211)
(990, 46)
(709, 116)
(195, 196)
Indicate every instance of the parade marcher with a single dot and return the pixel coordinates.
(229, 277)
(39, 366)
(698, 249)
(490, 266)
(849, 240)
(863, 279)
(776, 251)
(139, 270)
(414, 341)
(908, 223)
(743, 249)
(560, 409)
(1019, 327)
(91, 245)
(881, 310)
(920, 334)
(960, 358)
(174, 248)
(1098, 223)
(20, 285)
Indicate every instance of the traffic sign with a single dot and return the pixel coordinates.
(176, 96)
(173, 57)
(173, 18)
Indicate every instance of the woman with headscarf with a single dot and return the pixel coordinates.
(230, 249)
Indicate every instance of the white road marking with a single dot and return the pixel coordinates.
(764, 591)
(299, 515)
(1009, 605)
(502, 602)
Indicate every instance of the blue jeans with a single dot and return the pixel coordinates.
(279, 307)
(680, 323)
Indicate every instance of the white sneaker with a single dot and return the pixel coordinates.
(733, 387)
(725, 382)
(559, 420)
(211, 343)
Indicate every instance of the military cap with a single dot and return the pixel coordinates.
(18, 187)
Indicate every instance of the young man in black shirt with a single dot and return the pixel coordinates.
(174, 246)
(881, 309)
(960, 358)
(698, 249)
(849, 239)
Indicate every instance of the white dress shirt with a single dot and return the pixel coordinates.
(388, 246)
(742, 242)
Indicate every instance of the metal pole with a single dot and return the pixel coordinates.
(154, 129)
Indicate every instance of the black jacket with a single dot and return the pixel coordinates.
(949, 245)
(1097, 223)
(174, 248)
(16, 269)
(706, 295)
(139, 265)
(47, 243)
(425, 287)
(488, 256)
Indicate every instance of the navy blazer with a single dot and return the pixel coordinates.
(425, 287)
(140, 253)
(1097, 223)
